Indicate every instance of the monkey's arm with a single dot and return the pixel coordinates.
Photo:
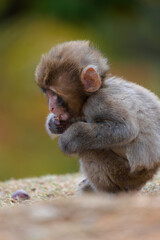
(109, 130)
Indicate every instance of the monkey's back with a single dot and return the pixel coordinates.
(144, 108)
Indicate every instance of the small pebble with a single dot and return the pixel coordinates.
(50, 195)
(20, 195)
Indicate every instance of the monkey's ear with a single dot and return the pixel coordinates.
(90, 79)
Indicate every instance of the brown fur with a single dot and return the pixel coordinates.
(117, 128)
(62, 66)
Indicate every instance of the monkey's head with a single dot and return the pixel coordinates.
(69, 74)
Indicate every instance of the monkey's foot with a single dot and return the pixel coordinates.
(84, 186)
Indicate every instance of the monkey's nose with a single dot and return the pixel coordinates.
(51, 109)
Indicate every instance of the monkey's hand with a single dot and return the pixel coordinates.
(68, 140)
(82, 136)
(78, 137)
(53, 128)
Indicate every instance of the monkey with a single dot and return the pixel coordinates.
(112, 124)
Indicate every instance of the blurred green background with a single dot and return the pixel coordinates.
(127, 32)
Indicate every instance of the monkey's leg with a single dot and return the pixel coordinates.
(109, 172)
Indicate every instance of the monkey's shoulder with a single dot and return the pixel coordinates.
(120, 88)
(120, 95)
(114, 90)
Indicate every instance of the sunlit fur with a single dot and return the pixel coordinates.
(49, 117)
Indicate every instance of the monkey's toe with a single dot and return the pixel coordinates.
(84, 186)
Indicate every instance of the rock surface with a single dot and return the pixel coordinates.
(84, 218)
(54, 211)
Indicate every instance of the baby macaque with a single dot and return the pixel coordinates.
(113, 125)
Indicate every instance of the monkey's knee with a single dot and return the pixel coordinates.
(84, 187)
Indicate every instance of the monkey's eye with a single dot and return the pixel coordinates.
(43, 90)
(60, 101)
(50, 93)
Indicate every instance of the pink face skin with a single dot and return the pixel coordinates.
(59, 112)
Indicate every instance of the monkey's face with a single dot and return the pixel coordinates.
(57, 106)
(59, 120)
(66, 100)
(68, 82)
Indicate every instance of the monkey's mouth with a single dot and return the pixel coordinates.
(62, 126)
(61, 118)
(62, 122)
(58, 126)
